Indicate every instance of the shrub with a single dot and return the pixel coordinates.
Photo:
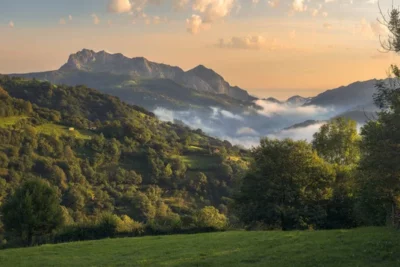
(210, 217)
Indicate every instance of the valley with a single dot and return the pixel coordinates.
(201, 98)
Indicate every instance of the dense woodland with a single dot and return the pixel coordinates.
(106, 157)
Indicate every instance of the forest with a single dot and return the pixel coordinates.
(106, 160)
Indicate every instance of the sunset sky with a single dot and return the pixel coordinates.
(269, 47)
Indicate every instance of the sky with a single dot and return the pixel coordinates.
(275, 48)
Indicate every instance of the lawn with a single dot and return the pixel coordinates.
(359, 247)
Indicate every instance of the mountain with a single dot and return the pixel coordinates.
(303, 124)
(273, 100)
(129, 78)
(298, 100)
(346, 97)
(218, 84)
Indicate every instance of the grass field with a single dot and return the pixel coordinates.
(359, 247)
(58, 130)
(200, 162)
(9, 121)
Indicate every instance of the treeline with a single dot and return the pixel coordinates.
(129, 165)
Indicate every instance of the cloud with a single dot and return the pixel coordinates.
(212, 10)
(299, 6)
(246, 131)
(11, 24)
(304, 133)
(273, 3)
(314, 12)
(95, 18)
(371, 29)
(194, 24)
(180, 4)
(230, 115)
(119, 6)
(216, 112)
(208, 11)
(270, 109)
(251, 42)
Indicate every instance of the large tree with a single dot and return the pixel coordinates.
(338, 141)
(33, 210)
(380, 163)
(287, 187)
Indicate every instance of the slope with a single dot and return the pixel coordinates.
(107, 156)
(357, 247)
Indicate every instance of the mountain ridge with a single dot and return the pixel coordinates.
(199, 78)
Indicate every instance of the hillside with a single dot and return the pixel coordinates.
(359, 247)
(107, 156)
(346, 97)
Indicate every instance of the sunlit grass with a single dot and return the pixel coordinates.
(9, 121)
(359, 247)
(58, 130)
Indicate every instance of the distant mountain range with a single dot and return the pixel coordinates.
(201, 98)
(292, 101)
(350, 96)
(147, 83)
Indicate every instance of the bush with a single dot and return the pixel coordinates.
(210, 217)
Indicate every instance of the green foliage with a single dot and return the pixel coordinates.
(33, 210)
(287, 186)
(338, 142)
(380, 182)
(210, 217)
(119, 159)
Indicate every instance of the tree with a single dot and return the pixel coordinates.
(210, 217)
(380, 180)
(338, 142)
(287, 186)
(33, 210)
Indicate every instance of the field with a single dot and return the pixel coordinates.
(58, 130)
(48, 128)
(359, 247)
(200, 162)
(9, 121)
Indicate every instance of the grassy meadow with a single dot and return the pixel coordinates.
(357, 247)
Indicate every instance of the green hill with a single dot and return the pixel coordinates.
(104, 155)
(358, 247)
